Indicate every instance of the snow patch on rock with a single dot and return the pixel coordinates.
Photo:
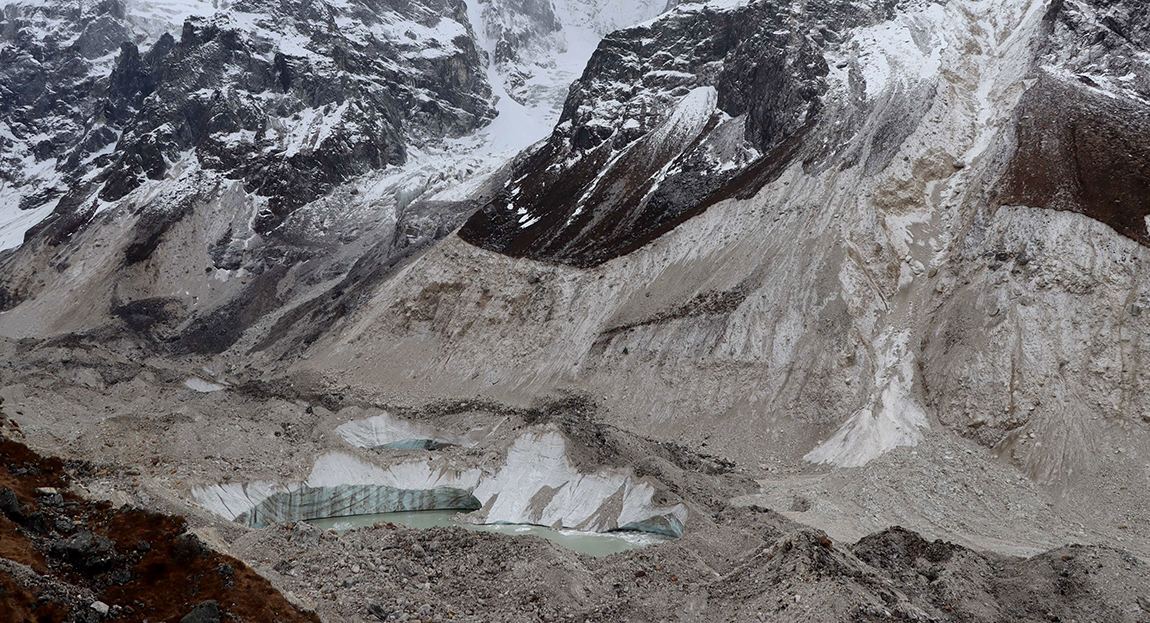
(893, 418)
(202, 386)
(910, 47)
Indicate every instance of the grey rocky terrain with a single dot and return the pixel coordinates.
(845, 296)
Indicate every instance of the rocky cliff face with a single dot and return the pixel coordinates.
(208, 140)
(1082, 144)
(346, 101)
(667, 120)
(1041, 314)
(253, 152)
(292, 99)
(609, 180)
(53, 56)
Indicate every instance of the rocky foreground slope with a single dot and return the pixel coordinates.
(868, 264)
(66, 558)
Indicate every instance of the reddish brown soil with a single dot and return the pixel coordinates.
(19, 604)
(170, 570)
(14, 547)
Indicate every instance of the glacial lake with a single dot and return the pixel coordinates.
(591, 543)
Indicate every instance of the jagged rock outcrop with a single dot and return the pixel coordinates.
(52, 58)
(254, 151)
(668, 119)
(300, 122)
(1081, 128)
(286, 99)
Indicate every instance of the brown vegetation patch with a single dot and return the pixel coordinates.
(14, 547)
(20, 604)
(143, 563)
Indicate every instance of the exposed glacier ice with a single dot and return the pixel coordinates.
(538, 484)
(387, 431)
(202, 386)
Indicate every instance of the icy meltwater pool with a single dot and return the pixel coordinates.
(593, 543)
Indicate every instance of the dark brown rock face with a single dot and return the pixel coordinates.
(702, 105)
(1083, 129)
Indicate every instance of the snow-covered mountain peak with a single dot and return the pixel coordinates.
(536, 49)
(606, 16)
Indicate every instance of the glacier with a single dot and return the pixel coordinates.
(537, 484)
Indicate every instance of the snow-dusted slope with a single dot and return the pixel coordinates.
(536, 49)
(919, 240)
(175, 160)
(607, 181)
(246, 92)
(52, 55)
(170, 163)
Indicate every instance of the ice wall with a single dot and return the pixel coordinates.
(537, 484)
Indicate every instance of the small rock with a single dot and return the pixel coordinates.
(37, 522)
(101, 608)
(206, 612)
(119, 577)
(10, 505)
(227, 574)
(64, 525)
